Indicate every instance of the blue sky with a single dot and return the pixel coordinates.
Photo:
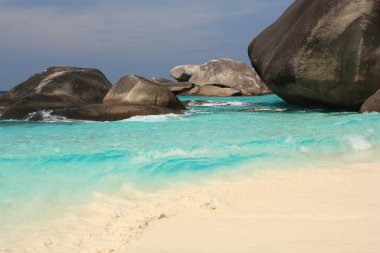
(147, 38)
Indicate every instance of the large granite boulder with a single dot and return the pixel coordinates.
(56, 87)
(112, 112)
(372, 104)
(136, 90)
(229, 74)
(183, 73)
(322, 52)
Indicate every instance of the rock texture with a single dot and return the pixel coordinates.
(229, 74)
(175, 86)
(322, 52)
(136, 90)
(183, 73)
(112, 112)
(372, 104)
(178, 87)
(217, 91)
(56, 87)
(161, 80)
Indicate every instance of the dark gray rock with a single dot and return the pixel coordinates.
(112, 112)
(56, 87)
(322, 52)
(217, 91)
(183, 73)
(230, 74)
(372, 104)
(136, 90)
(34, 103)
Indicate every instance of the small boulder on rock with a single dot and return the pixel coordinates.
(230, 74)
(183, 73)
(136, 90)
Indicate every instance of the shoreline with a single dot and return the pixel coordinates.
(311, 210)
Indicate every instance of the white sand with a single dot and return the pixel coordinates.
(320, 210)
(323, 211)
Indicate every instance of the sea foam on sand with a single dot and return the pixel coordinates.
(312, 210)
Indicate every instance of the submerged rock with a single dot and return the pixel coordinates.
(136, 90)
(112, 112)
(372, 104)
(183, 73)
(322, 52)
(56, 87)
(229, 74)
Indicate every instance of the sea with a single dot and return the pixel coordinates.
(48, 167)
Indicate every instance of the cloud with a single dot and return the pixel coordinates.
(110, 25)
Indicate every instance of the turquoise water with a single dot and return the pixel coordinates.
(46, 167)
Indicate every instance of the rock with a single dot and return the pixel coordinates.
(322, 52)
(193, 91)
(175, 86)
(56, 87)
(230, 74)
(161, 80)
(112, 112)
(183, 73)
(34, 103)
(178, 87)
(216, 91)
(372, 104)
(136, 90)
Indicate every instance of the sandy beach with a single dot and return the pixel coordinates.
(300, 210)
(325, 210)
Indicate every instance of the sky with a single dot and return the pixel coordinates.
(122, 37)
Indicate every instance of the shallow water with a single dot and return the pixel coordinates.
(47, 167)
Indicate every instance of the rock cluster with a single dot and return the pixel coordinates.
(80, 93)
(86, 94)
(223, 77)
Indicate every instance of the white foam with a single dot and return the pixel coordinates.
(359, 142)
(155, 118)
(209, 103)
(270, 109)
(47, 116)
